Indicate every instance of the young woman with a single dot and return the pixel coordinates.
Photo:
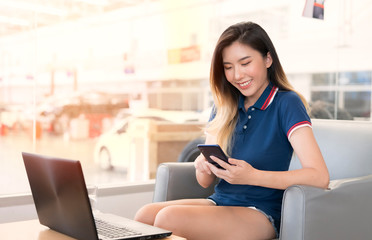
(259, 120)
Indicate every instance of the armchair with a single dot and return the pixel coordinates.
(342, 211)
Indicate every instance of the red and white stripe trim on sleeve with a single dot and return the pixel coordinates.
(297, 126)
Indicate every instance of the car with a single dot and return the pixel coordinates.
(57, 112)
(113, 148)
(11, 115)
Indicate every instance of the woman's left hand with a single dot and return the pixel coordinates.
(237, 172)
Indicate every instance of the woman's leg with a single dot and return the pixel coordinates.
(148, 213)
(201, 219)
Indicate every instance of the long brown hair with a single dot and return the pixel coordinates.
(225, 95)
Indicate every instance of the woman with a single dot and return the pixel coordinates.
(259, 120)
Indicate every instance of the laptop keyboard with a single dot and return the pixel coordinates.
(111, 231)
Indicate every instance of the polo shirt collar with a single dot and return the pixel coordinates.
(265, 99)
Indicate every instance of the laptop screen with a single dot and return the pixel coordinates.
(60, 195)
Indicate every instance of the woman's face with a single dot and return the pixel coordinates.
(246, 69)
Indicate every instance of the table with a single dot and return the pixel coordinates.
(33, 230)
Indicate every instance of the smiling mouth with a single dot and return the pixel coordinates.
(244, 84)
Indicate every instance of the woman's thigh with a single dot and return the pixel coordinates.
(214, 222)
(148, 213)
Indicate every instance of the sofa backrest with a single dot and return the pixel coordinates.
(346, 147)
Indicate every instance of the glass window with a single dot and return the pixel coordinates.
(358, 104)
(342, 95)
(355, 78)
(323, 79)
(123, 85)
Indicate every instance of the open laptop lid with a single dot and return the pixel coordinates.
(60, 195)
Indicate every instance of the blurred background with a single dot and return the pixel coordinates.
(122, 85)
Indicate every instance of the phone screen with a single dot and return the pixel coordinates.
(213, 150)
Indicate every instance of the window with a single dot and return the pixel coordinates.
(123, 85)
(342, 96)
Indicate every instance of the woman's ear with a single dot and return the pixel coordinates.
(268, 60)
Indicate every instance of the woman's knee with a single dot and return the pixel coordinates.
(169, 217)
(147, 213)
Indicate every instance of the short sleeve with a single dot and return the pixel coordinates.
(212, 114)
(293, 113)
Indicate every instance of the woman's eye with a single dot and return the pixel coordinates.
(245, 64)
(227, 68)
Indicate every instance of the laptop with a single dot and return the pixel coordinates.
(62, 203)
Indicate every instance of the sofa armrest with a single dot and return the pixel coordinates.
(341, 212)
(177, 180)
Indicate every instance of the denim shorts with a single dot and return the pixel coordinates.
(271, 219)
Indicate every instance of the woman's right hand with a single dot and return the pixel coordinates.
(204, 175)
(201, 165)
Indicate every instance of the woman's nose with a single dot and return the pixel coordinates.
(237, 74)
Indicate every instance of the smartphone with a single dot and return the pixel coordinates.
(213, 150)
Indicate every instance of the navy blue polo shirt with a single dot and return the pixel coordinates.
(261, 139)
